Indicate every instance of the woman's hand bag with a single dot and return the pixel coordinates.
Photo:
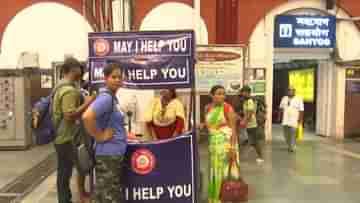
(233, 189)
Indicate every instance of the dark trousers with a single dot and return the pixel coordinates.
(65, 158)
(290, 136)
(255, 140)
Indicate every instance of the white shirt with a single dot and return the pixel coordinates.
(291, 108)
(136, 101)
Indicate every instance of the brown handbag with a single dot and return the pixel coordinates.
(233, 189)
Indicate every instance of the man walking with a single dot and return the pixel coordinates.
(238, 105)
(292, 111)
(251, 123)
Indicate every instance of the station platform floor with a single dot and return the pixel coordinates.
(321, 170)
(21, 171)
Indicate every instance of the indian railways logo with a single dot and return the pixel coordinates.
(101, 47)
(143, 161)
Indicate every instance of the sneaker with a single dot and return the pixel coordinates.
(259, 160)
(292, 149)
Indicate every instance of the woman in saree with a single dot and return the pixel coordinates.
(220, 120)
(166, 116)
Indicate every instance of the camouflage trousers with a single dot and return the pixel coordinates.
(108, 171)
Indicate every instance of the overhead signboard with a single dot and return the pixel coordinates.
(294, 31)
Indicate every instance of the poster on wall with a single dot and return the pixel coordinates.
(304, 82)
(219, 65)
(352, 73)
(151, 59)
(255, 78)
(7, 96)
(46, 81)
(353, 80)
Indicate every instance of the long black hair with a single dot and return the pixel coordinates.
(216, 87)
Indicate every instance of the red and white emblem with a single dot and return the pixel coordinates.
(101, 47)
(143, 161)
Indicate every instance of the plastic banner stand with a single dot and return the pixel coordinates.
(159, 171)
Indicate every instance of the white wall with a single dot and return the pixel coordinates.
(348, 35)
(262, 54)
(175, 16)
(49, 29)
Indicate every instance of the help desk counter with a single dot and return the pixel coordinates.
(158, 171)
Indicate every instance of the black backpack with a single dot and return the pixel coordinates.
(260, 110)
(84, 146)
(84, 150)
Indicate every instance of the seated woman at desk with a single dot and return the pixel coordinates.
(165, 118)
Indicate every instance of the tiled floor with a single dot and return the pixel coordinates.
(317, 172)
(15, 163)
(278, 136)
(46, 192)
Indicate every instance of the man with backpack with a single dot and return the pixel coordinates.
(66, 112)
(261, 115)
(238, 105)
(250, 113)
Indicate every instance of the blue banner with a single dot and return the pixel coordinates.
(160, 172)
(151, 60)
(292, 31)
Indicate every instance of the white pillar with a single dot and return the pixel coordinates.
(340, 102)
(330, 97)
(322, 100)
(269, 65)
(121, 15)
(330, 100)
(197, 18)
(197, 27)
(116, 15)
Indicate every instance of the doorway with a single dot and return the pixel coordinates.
(301, 75)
